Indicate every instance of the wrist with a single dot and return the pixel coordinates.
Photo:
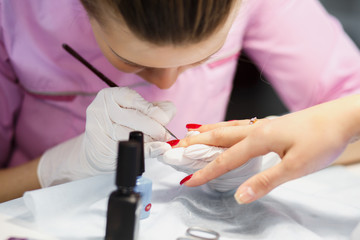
(351, 117)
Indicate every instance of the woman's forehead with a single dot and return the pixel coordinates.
(125, 44)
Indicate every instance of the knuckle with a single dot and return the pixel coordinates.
(265, 182)
(188, 141)
(263, 130)
(218, 134)
(220, 164)
(266, 130)
(292, 166)
(185, 142)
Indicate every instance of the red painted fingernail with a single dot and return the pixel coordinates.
(187, 178)
(173, 142)
(192, 126)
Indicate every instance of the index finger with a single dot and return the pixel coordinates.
(209, 127)
(232, 158)
(220, 137)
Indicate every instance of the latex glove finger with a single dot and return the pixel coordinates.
(122, 132)
(130, 99)
(202, 152)
(108, 147)
(155, 149)
(175, 158)
(168, 107)
(106, 113)
(128, 109)
(193, 157)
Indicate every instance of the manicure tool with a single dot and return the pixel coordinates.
(98, 73)
(199, 233)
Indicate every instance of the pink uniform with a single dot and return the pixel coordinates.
(44, 92)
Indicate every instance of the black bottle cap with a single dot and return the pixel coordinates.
(126, 171)
(138, 136)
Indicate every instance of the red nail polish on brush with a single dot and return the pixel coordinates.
(173, 142)
(187, 178)
(192, 126)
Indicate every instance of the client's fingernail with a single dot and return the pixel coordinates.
(187, 178)
(192, 126)
(173, 142)
(244, 196)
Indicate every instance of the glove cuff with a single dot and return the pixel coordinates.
(62, 163)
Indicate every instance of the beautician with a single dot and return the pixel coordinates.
(165, 55)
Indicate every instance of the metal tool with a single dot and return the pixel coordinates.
(173, 135)
(110, 83)
(199, 233)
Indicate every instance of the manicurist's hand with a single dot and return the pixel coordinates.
(306, 141)
(113, 114)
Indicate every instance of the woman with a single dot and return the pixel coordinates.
(44, 91)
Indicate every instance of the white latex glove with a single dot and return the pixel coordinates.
(113, 114)
(195, 157)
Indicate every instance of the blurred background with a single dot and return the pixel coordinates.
(257, 98)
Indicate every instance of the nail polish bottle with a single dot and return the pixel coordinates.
(143, 184)
(124, 204)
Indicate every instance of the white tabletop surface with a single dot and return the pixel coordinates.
(324, 205)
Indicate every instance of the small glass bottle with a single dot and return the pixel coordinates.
(124, 204)
(143, 184)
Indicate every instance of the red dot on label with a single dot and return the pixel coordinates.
(148, 207)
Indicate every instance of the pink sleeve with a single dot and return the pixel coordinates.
(302, 51)
(10, 101)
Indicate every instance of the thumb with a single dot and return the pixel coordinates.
(261, 184)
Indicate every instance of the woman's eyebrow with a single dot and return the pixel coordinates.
(142, 66)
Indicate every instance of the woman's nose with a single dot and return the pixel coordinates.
(163, 78)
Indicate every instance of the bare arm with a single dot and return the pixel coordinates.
(15, 181)
(351, 154)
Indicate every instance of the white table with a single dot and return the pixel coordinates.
(354, 169)
(324, 205)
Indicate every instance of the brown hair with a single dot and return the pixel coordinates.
(164, 22)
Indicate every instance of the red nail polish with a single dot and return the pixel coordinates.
(187, 178)
(173, 142)
(192, 126)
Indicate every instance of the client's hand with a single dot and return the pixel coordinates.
(113, 114)
(306, 141)
(195, 157)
